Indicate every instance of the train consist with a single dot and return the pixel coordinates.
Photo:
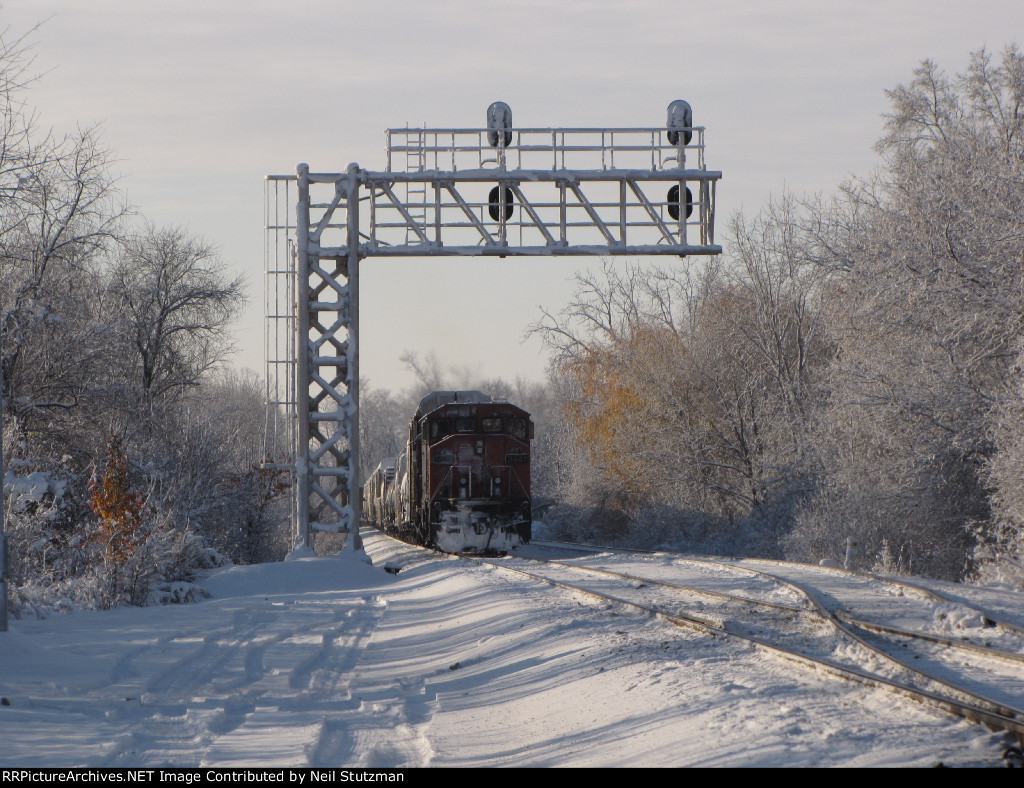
(462, 483)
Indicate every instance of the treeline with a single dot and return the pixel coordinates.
(130, 459)
(852, 368)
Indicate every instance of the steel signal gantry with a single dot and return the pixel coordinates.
(497, 191)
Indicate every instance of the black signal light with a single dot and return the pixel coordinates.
(673, 202)
(494, 203)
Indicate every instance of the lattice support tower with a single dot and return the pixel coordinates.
(496, 191)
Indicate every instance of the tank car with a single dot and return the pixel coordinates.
(462, 483)
(376, 489)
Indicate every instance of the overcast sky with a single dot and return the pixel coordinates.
(201, 99)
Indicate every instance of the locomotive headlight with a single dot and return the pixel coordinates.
(480, 446)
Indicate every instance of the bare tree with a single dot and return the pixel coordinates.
(383, 426)
(175, 300)
(687, 387)
(65, 217)
(19, 147)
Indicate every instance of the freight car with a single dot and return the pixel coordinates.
(462, 483)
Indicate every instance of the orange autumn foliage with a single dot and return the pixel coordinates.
(117, 506)
(610, 406)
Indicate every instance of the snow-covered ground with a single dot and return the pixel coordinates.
(333, 662)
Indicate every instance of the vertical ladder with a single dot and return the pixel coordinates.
(280, 279)
(416, 193)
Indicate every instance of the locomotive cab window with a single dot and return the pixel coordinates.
(518, 429)
(490, 425)
(439, 428)
(465, 425)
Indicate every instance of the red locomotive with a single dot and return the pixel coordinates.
(462, 484)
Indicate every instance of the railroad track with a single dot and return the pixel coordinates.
(908, 586)
(800, 623)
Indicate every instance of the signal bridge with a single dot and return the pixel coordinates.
(496, 191)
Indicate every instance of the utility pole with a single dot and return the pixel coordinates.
(3, 524)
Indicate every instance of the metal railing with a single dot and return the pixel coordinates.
(452, 150)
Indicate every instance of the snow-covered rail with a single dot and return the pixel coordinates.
(805, 624)
(910, 587)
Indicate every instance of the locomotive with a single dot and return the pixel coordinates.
(462, 483)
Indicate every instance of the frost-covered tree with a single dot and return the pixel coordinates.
(383, 426)
(59, 226)
(174, 300)
(59, 211)
(207, 469)
(927, 259)
(999, 553)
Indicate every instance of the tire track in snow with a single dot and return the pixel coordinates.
(314, 691)
(386, 727)
(322, 672)
(279, 659)
(185, 675)
(387, 730)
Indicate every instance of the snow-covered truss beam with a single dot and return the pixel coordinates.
(537, 214)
